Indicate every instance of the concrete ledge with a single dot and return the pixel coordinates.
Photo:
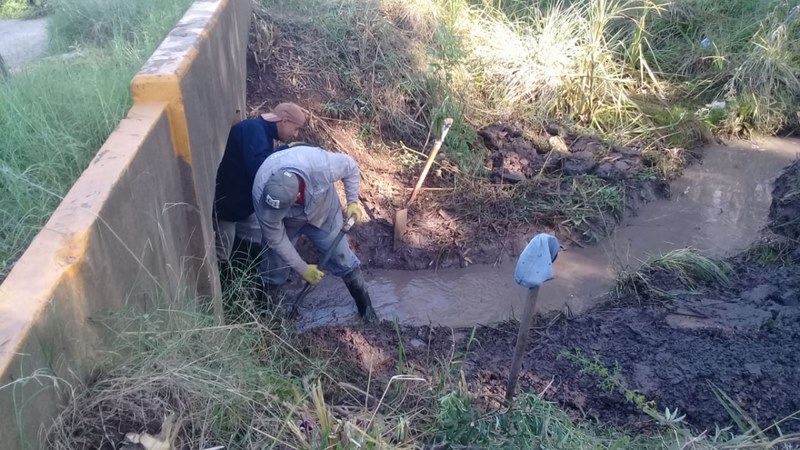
(135, 229)
(200, 71)
(99, 239)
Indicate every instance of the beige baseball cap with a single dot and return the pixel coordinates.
(289, 112)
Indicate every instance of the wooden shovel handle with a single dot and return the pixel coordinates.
(432, 156)
(522, 342)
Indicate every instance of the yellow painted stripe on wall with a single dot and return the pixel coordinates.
(166, 88)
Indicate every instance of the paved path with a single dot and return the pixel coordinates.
(22, 41)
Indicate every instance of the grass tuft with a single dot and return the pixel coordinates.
(770, 252)
(693, 268)
(240, 386)
(4, 73)
(587, 205)
(216, 379)
(687, 265)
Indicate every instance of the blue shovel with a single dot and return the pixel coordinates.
(534, 268)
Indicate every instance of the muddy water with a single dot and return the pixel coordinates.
(718, 207)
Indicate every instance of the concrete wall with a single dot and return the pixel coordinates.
(135, 229)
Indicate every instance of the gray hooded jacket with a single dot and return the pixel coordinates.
(319, 169)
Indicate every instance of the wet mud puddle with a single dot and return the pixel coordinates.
(718, 206)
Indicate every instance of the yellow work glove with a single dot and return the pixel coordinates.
(313, 275)
(354, 210)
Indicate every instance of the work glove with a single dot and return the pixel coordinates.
(313, 275)
(354, 210)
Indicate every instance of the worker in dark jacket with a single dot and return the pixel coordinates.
(250, 142)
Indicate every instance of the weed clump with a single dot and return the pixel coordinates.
(689, 267)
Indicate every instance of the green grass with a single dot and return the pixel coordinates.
(249, 385)
(140, 24)
(752, 60)
(15, 9)
(693, 268)
(770, 252)
(688, 266)
(610, 380)
(629, 69)
(3, 69)
(54, 121)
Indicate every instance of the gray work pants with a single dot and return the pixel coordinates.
(246, 230)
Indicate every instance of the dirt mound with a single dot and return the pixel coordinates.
(560, 153)
(517, 155)
(743, 339)
(784, 212)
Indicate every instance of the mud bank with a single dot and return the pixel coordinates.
(743, 339)
(695, 345)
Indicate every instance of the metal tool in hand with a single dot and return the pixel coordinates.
(307, 288)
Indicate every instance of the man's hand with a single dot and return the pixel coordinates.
(313, 275)
(354, 210)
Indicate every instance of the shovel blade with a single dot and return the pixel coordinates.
(400, 224)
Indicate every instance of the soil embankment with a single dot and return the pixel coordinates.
(741, 337)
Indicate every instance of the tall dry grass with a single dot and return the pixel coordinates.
(249, 386)
(54, 121)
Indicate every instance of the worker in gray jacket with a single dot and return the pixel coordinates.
(294, 194)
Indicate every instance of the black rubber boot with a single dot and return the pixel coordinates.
(358, 290)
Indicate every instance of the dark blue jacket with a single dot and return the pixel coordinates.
(250, 142)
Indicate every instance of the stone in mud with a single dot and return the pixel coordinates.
(759, 294)
(578, 164)
(608, 171)
(541, 144)
(501, 176)
(495, 135)
(753, 369)
(623, 166)
(784, 212)
(513, 177)
(556, 129)
(558, 144)
(627, 151)
(417, 344)
(591, 144)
